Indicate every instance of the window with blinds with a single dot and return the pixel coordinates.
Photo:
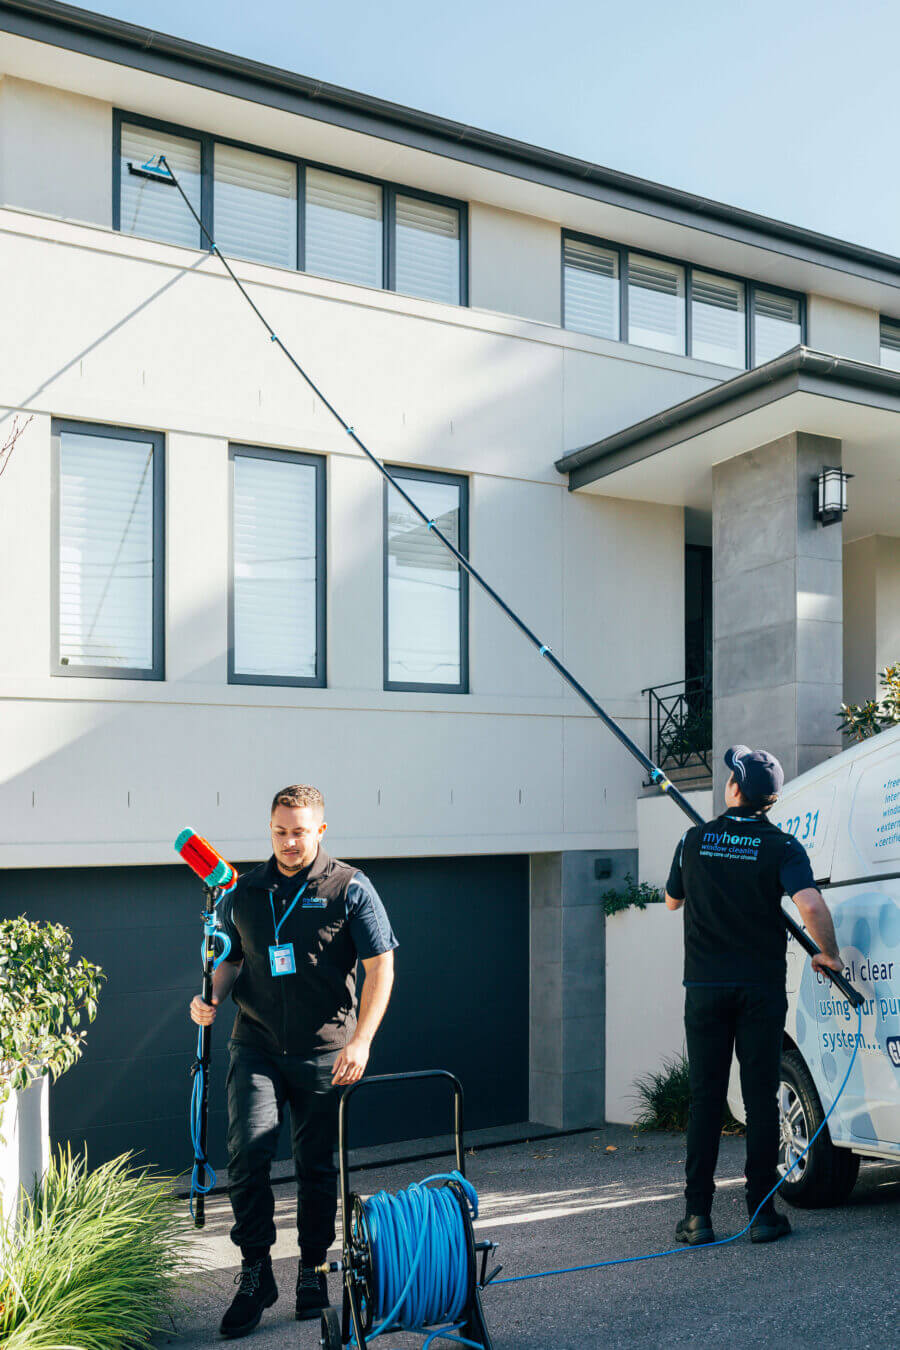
(718, 319)
(109, 584)
(426, 249)
(156, 210)
(255, 206)
(776, 325)
(343, 228)
(890, 343)
(655, 303)
(278, 560)
(591, 288)
(426, 618)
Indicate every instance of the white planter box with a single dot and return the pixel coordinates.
(644, 1000)
(25, 1150)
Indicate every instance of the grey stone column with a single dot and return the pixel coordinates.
(568, 984)
(777, 607)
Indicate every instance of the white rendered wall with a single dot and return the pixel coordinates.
(644, 964)
(126, 331)
(515, 264)
(871, 613)
(644, 1001)
(55, 152)
(846, 330)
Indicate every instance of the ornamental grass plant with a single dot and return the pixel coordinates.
(92, 1260)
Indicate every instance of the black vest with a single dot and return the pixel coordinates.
(733, 926)
(313, 1010)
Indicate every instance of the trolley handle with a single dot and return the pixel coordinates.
(416, 1074)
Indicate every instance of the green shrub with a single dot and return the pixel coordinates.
(665, 1098)
(633, 895)
(861, 720)
(43, 997)
(91, 1261)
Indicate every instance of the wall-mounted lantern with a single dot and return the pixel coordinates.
(830, 497)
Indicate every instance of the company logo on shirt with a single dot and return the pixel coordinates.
(731, 847)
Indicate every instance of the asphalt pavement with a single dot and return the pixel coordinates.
(594, 1197)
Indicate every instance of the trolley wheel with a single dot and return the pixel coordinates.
(330, 1332)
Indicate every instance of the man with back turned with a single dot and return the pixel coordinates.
(730, 875)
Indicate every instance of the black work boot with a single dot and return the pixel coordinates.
(695, 1230)
(769, 1225)
(312, 1293)
(256, 1292)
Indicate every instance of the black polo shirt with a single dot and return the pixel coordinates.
(731, 873)
(337, 921)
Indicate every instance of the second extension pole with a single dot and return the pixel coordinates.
(655, 773)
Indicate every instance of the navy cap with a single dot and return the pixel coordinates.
(757, 773)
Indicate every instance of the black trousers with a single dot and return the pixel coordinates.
(259, 1086)
(719, 1020)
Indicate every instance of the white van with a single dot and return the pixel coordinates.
(846, 813)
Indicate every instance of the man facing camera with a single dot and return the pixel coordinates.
(298, 925)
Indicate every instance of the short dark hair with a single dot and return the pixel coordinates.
(299, 794)
(755, 803)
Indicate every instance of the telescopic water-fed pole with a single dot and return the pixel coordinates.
(218, 877)
(160, 172)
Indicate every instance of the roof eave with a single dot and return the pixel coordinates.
(775, 379)
(126, 43)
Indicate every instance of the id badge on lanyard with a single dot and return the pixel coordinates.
(281, 954)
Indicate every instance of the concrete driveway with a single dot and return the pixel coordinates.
(568, 1200)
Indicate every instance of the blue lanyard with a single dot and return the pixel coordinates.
(279, 922)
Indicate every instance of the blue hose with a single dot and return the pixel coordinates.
(720, 1242)
(420, 1259)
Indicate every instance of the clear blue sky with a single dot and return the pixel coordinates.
(787, 107)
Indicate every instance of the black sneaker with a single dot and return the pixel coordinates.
(769, 1225)
(256, 1292)
(312, 1293)
(695, 1230)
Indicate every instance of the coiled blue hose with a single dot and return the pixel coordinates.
(420, 1258)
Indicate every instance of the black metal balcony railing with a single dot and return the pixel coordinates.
(679, 717)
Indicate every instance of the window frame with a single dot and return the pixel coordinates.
(107, 431)
(884, 319)
(460, 481)
(238, 449)
(622, 250)
(389, 189)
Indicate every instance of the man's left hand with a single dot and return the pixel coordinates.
(350, 1064)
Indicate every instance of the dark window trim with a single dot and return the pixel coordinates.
(622, 251)
(318, 681)
(461, 482)
(108, 432)
(885, 320)
(390, 190)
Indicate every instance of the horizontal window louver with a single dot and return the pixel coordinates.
(427, 243)
(256, 206)
(105, 552)
(655, 304)
(424, 587)
(343, 228)
(718, 331)
(275, 568)
(156, 210)
(776, 325)
(591, 289)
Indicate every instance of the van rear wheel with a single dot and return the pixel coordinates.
(825, 1175)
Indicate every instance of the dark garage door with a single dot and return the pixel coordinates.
(460, 1000)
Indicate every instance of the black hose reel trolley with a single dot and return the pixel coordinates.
(358, 1264)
